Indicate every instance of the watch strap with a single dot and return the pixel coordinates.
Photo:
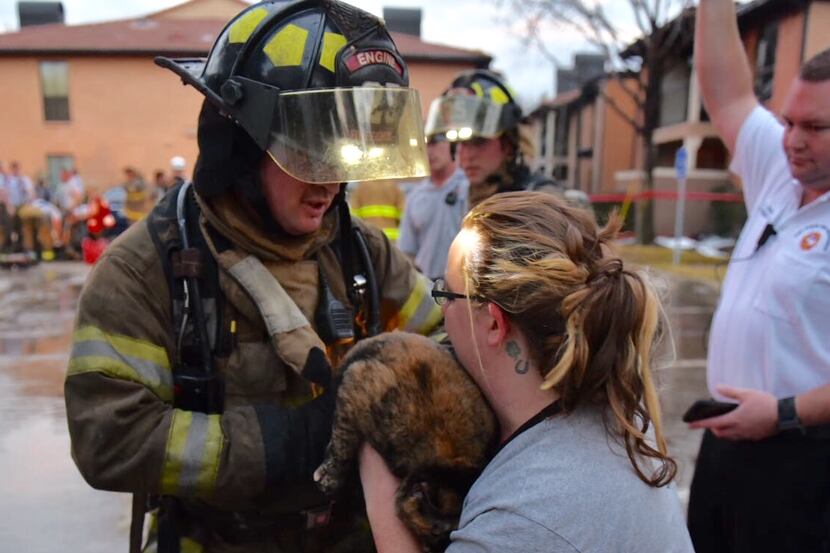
(787, 415)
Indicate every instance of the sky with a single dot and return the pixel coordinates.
(471, 24)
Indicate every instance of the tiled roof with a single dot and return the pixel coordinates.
(188, 37)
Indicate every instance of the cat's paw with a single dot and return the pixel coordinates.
(325, 478)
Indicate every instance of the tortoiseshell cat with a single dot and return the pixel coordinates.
(410, 399)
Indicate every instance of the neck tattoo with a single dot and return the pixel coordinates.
(514, 351)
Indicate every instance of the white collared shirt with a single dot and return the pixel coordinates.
(771, 330)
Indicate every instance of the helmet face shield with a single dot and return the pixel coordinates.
(349, 134)
(462, 117)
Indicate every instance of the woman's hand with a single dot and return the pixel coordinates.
(379, 487)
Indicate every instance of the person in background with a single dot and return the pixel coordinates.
(160, 184)
(46, 220)
(177, 171)
(379, 205)
(558, 333)
(434, 211)
(136, 205)
(479, 113)
(21, 193)
(72, 202)
(762, 480)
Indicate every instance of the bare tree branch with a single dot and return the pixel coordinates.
(638, 16)
(619, 111)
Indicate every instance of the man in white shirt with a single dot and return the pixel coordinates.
(762, 481)
(434, 211)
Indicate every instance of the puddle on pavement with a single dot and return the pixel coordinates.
(45, 505)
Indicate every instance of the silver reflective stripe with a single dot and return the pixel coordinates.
(150, 374)
(191, 460)
(194, 451)
(122, 357)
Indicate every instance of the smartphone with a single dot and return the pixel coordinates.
(706, 408)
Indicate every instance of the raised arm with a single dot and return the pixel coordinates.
(723, 69)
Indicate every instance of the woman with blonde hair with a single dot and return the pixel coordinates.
(558, 333)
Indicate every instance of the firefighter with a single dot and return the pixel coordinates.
(380, 205)
(201, 376)
(479, 114)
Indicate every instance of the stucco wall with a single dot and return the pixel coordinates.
(787, 57)
(431, 79)
(818, 29)
(619, 139)
(123, 111)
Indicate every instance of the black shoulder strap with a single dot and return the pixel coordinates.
(197, 261)
(359, 276)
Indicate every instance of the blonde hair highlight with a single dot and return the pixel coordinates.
(591, 321)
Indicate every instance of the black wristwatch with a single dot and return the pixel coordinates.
(787, 416)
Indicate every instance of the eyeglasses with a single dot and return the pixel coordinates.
(441, 295)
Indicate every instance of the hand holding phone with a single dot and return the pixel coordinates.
(707, 408)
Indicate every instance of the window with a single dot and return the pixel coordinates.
(674, 94)
(765, 62)
(54, 81)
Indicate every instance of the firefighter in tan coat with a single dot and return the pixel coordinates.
(201, 375)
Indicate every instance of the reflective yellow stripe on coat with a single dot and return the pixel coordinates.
(419, 313)
(380, 211)
(122, 357)
(191, 458)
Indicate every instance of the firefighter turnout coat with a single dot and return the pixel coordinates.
(127, 435)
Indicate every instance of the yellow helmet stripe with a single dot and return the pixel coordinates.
(332, 43)
(285, 49)
(498, 95)
(244, 27)
(478, 89)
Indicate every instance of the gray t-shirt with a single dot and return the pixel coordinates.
(431, 220)
(564, 486)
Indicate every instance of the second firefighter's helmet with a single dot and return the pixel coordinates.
(317, 84)
(478, 103)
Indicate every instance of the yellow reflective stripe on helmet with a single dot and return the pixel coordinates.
(385, 211)
(391, 233)
(332, 43)
(244, 27)
(122, 357)
(285, 49)
(498, 95)
(478, 89)
(419, 313)
(191, 459)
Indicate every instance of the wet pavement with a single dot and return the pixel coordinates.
(46, 506)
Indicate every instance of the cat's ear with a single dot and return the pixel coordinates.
(499, 325)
